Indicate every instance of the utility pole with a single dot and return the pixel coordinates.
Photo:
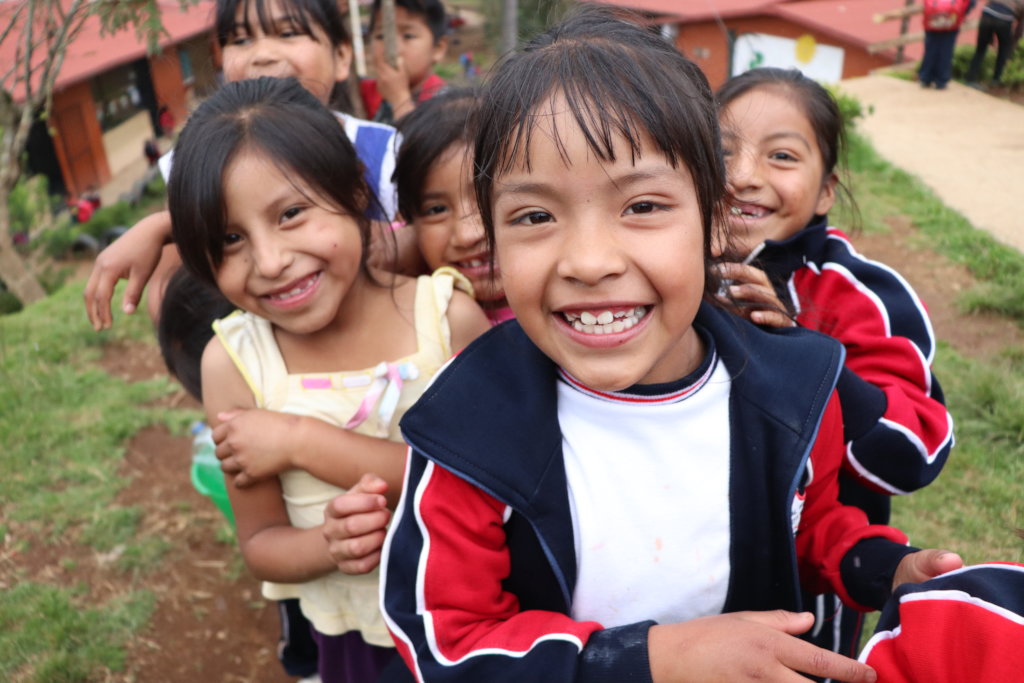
(509, 25)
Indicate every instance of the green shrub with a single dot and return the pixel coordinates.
(107, 217)
(1013, 73)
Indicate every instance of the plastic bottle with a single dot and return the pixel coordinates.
(203, 448)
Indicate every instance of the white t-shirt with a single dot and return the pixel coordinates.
(648, 486)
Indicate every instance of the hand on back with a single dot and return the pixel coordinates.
(355, 524)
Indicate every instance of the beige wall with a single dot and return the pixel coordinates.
(123, 143)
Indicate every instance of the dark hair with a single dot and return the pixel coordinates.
(279, 119)
(187, 312)
(619, 79)
(303, 14)
(427, 132)
(816, 102)
(432, 12)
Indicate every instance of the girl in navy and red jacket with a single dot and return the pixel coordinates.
(782, 136)
(626, 482)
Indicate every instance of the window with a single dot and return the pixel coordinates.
(117, 96)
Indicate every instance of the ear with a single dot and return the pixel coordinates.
(440, 47)
(827, 195)
(342, 62)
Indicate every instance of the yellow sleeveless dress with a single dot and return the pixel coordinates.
(369, 402)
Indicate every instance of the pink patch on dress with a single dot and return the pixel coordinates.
(316, 382)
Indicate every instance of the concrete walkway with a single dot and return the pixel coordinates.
(968, 147)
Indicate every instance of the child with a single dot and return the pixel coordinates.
(269, 205)
(435, 194)
(301, 38)
(421, 26)
(783, 136)
(590, 486)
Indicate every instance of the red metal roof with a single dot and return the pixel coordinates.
(849, 21)
(91, 53)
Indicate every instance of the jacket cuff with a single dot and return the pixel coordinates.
(618, 654)
(862, 403)
(868, 568)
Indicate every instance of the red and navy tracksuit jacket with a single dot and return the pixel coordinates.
(967, 625)
(479, 567)
(897, 425)
(898, 430)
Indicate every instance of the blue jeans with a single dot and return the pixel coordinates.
(937, 63)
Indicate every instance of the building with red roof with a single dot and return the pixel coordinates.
(109, 96)
(827, 39)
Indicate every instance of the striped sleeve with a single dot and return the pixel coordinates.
(827, 530)
(899, 433)
(966, 625)
(442, 569)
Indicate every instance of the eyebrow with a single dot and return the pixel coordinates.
(546, 190)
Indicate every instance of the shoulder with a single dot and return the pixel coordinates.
(224, 387)
(466, 320)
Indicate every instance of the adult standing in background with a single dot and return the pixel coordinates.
(942, 19)
(1003, 19)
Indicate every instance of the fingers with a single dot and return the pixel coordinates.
(132, 292)
(370, 483)
(800, 655)
(354, 503)
(99, 291)
(924, 565)
(793, 623)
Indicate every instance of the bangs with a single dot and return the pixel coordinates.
(260, 13)
(636, 88)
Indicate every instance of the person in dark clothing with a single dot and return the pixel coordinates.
(1003, 20)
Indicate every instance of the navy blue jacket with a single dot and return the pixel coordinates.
(479, 567)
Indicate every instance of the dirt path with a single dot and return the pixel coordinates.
(965, 145)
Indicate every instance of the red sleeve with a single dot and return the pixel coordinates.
(371, 96)
(444, 564)
(828, 529)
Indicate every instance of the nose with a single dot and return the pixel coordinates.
(743, 170)
(469, 228)
(271, 256)
(264, 57)
(590, 253)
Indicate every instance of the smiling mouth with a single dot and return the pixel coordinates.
(605, 322)
(301, 287)
(749, 211)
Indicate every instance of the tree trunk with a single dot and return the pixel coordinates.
(16, 275)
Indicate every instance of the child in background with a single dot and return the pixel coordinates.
(421, 27)
(435, 194)
(269, 205)
(301, 38)
(591, 486)
(783, 137)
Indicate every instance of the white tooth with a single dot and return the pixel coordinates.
(629, 322)
(618, 326)
(588, 318)
(588, 329)
(605, 318)
(736, 211)
(577, 325)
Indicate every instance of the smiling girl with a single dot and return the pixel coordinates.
(783, 136)
(622, 482)
(269, 204)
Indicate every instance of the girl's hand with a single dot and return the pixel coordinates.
(255, 444)
(134, 257)
(752, 295)
(355, 524)
(745, 646)
(924, 565)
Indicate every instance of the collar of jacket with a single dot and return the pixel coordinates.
(782, 258)
(492, 418)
